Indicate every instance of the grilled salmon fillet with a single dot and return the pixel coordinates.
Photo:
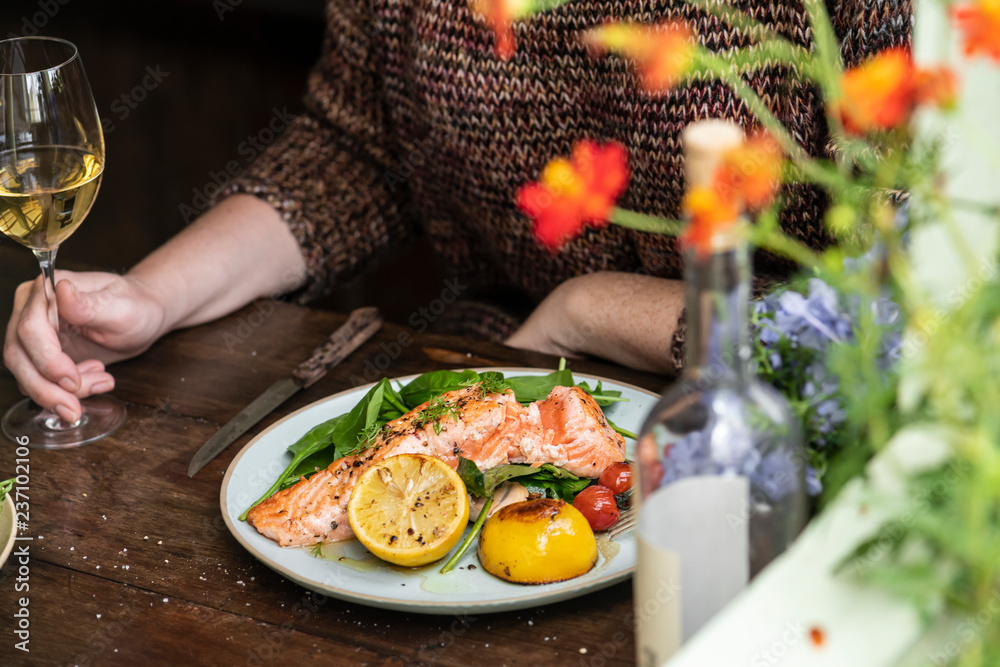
(567, 429)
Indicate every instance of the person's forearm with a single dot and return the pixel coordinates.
(622, 317)
(236, 252)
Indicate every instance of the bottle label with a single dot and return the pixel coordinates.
(692, 559)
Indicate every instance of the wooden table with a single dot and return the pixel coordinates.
(131, 563)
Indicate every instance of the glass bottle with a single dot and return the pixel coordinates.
(720, 458)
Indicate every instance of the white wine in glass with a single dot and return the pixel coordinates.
(51, 163)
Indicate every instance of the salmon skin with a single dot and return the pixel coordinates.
(567, 429)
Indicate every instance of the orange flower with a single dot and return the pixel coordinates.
(751, 173)
(575, 192)
(662, 53)
(500, 14)
(882, 92)
(878, 94)
(711, 215)
(980, 21)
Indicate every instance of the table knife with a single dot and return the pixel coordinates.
(358, 328)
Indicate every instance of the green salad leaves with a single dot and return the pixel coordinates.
(356, 431)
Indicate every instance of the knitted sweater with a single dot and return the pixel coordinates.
(415, 126)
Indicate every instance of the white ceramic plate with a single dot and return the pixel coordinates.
(347, 571)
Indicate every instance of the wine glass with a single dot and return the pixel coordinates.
(51, 162)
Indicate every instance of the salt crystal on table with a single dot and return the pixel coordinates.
(98, 616)
(583, 650)
(164, 599)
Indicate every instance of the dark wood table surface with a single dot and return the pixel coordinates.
(131, 563)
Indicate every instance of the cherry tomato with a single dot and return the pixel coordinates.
(597, 504)
(617, 477)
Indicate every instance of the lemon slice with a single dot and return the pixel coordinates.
(409, 509)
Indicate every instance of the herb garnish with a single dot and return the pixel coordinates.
(439, 408)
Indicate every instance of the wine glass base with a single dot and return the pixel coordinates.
(102, 415)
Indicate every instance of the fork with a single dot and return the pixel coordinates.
(625, 524)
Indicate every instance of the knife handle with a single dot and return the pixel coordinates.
(360, 326)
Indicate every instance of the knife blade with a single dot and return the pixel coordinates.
(359, 327)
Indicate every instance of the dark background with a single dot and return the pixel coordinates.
(226, 66)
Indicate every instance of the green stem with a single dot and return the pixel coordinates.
(562, 363)
(645, 223)
(470, 538)
(396, 404)
(621, 431)
(778, 243)
(811, 169)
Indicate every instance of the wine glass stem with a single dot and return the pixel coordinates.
(47, 260)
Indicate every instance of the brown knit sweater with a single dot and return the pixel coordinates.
(414, 125)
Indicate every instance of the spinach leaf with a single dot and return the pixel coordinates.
(601, 396)
(318, 438)
(551, 480)
(425, 387)
(529, 389)
(343, 432)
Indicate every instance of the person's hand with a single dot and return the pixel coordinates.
(623, 317)
(104, 317)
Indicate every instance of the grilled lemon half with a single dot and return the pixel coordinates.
(409, 509)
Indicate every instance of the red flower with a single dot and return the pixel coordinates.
(751, 173)
(575, 192)
(980, 21)
(711, 215)
(882, 92)
(662, 53)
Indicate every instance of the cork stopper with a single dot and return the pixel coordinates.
(705, 142)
